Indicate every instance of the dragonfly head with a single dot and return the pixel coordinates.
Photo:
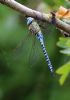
(29, 20)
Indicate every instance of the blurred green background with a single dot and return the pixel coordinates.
(24, 74)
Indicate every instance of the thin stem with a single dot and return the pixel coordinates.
(36, 14)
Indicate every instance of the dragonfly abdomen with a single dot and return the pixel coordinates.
(47, 57)
(40, 38)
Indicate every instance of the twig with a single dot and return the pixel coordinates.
(35, 14)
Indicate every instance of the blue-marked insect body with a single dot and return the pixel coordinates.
(35, 29)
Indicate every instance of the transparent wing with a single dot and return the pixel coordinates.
(27, 50)
(21, 44)
(22, 49)
(31, 53)
(34, 55)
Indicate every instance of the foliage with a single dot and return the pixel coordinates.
(64, 70)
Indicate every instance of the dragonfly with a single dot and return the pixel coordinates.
(34, 28)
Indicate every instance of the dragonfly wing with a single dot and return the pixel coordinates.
(22, 42)
(21, 46)
(34, 53)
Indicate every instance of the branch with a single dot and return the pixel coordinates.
(35, 14)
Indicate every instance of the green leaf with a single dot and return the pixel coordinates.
(63, 78)
(55, 2)
(66, 51)
(64, 72)
(64, 42)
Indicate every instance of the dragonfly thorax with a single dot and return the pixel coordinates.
(33, 26)
(34, 29)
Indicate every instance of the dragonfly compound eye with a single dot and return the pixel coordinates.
(29, 20)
